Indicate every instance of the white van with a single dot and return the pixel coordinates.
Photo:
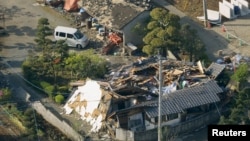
(72, 36)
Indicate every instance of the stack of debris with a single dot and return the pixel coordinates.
(179, 74)
(232, 61)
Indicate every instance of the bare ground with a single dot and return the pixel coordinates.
(194, 8)
(8, 130)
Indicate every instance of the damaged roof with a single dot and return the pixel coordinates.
(185, 85)
(215, 69)
(114, 13)
(183, 99)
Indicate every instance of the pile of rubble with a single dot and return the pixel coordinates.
(176, 74)
(136, 84)
(233, 60)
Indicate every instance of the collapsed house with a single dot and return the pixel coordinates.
(128, 100)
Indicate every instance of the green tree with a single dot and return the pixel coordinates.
(223, 121)
(86, 64)
(190, 43)
(163, 32)
(59, 99)
(27, 69)
(59, 54)
(43, 31)
(241, 73)
(239, 111)
(50, 63)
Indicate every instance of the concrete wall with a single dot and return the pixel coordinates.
(179, 128)
(124, 135)
(55, 121)
(194, 123)
(127, 29)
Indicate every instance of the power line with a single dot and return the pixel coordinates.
(35, 124)
(39, 87)
(29, 82)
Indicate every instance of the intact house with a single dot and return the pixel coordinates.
(128, 99)
(119, 16)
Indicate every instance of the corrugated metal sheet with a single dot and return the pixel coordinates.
(215, 69)
(183, 99)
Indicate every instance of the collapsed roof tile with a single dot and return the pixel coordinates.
(215, 69)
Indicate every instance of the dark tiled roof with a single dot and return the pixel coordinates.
(168, 107)
(186, 98)
(215, 69)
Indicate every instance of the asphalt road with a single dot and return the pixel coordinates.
(20, 22)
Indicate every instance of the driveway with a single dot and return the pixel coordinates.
(21, 19)
(20, 22)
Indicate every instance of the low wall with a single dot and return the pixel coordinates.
(124, 135)
(55, 121)
(195, 123)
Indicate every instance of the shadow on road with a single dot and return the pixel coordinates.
(25, 30)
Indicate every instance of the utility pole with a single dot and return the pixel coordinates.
(205, 13)
(160, 95)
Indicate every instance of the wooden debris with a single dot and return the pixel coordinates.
(200, 67)
(77, 83)
(198, 76)
(177, 72)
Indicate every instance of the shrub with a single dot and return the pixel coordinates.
(44, 84)
(50, 91)
(47, 88)
(40, 133)
(5, 94)
(59, 99)
(63, 89)
(241, 73)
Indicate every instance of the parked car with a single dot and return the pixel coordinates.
(72, 36)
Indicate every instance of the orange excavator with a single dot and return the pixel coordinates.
(114, 40)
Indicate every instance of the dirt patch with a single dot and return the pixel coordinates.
(194, 8)
(8, 130)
